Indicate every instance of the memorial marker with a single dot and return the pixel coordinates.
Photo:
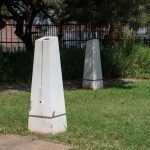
(92, 77)
(47, 113)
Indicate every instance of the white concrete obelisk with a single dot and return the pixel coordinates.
(47, 113)
(92, 78)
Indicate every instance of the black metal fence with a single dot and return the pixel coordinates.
(69, 35)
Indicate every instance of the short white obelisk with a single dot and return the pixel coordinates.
(92, 78)
(47, 113)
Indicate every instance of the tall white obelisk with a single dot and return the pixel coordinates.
(47, 111)
(92, 78)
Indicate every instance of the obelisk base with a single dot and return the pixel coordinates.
(95, 84)
(46, 125)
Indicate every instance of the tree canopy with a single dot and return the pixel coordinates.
(104, 12)
(24, 12)
(134, 13)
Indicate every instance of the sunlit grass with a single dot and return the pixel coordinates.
(116, 118)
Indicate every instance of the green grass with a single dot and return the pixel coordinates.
(116, 118)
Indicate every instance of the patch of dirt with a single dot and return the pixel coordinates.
(14, 88)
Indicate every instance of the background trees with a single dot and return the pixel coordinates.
(113, 14)
(23, 12)
(135, 12)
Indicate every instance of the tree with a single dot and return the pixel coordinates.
(110, 13)
(24, 12)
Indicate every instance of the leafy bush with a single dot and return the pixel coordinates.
(16, 66)
(126, 61)
(72, 60)
(120, 61)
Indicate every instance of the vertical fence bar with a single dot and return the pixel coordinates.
(11, 37)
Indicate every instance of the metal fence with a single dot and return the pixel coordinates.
(71, 36)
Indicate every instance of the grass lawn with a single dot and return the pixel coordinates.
(116, 118)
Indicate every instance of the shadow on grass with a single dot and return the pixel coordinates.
(116, 83)
(13, 88)
(72, 85)
(124, 86)
(120, 83)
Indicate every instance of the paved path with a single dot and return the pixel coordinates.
(11, 142)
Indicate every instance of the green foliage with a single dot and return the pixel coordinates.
(126, 61)
(135, 13)
(53, 2)
(119, 61)
(72, 60)
(16, 66)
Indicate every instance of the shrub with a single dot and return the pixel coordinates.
(126, 61)
(16, 66)
(72, 60)
(119, 61)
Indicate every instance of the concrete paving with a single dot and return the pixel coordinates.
(11, 142)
